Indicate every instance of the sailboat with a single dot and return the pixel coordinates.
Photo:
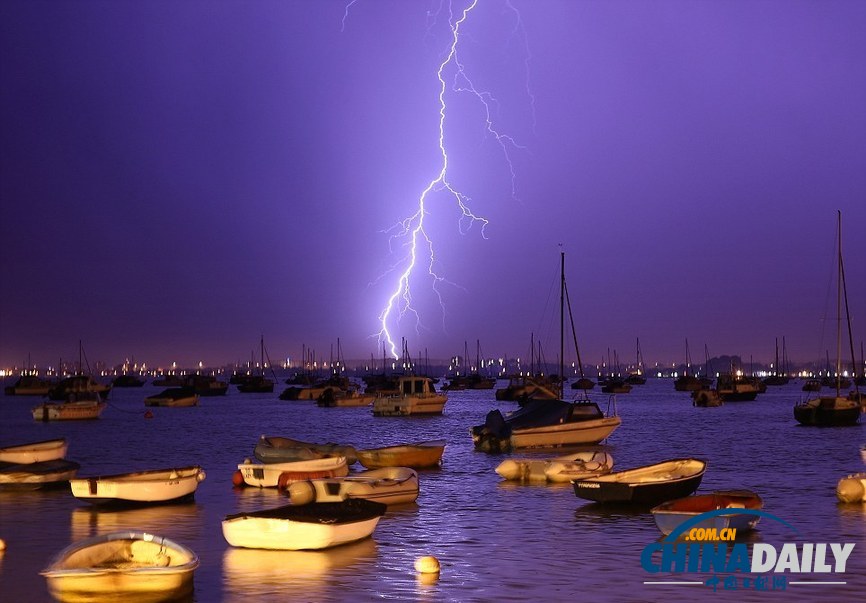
(779, 377)
(834, 410)
(687, 382)
(546, 423)
(256, 384)
(637, 377)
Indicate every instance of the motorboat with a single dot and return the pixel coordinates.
(173, 397)
(417, 396)
(81, 406)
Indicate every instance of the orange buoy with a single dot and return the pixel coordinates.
(148, 414)
(238, 479)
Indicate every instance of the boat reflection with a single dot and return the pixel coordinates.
(252, 574)
(256, 499)
(181, 520)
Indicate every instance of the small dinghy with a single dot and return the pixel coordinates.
(389, 486)
(274, 475)
(561, 469)
(669, 515)
(275, 449)
(173, 397)
(649, 485)
(120, 567)
(304, 527)
(33, 476)
(34, 452)
(416, 456)
(142, 487)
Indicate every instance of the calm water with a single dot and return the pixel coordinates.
(495, 540)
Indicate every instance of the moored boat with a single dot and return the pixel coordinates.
(707, 398)
(417, 456)
(828, 411)
(647, 485)
(335, 397)
(417, 397)
(275, 449)
(33, 476)
(143, 487)
(84, 406)
(29, 385)
(35, 452)
(389, 486)
(75, 385)
(560, 469)
(544, 424)
(173, 397)
(273, 475)
(304, 527)
(670, 514)
(812, 385)
(122, 566)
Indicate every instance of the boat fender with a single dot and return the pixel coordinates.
(238, 479)
(302, 492)
(201, 475)
(851, 489)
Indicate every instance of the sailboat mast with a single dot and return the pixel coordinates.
(839, 308)
(562, 325)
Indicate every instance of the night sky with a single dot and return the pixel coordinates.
(179, 178)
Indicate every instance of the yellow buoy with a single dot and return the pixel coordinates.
(427, 565)
(851, 489)
(2, 545)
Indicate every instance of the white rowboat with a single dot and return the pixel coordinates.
(272, 475)
(154, 486)
(389, 486)
(35, 452)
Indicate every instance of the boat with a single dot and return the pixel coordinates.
(522, 387)
(33, 476)
(127, 380)
(835, 410)
(637, 377)
(29, 385)
(122, 566)
(687, 382)
(304, 527)
(812, 385)
(560, 469)
(388, 485)
(852, 489)
(706, 398)
(279, 475)
(417, 456)
(733, 387)
(35, 452)
(206, 385)
(335, 397)
(258, 384)
(173, 396)
(648, 485)
(153, 486)
(546, 423)
(780, 374)
(417, 397)
(82, 406)
(669, 515)
(275, 449)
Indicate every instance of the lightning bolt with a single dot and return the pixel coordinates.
(411, 230)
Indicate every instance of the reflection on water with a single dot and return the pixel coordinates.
(495, 540)
(250, 574)
(181, 520)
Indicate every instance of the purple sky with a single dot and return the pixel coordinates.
(179, 178)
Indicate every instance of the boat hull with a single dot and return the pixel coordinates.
(389, 486)
(273, 475)
(144, 487)
(828, 412)
(565, 434)
(670, 515)
(398, 406)
(68, 411)
(36, 452)
(33, 476)
(648, 486)
(306, 527)
(275, 449)
(415, 456)
(120, 567)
